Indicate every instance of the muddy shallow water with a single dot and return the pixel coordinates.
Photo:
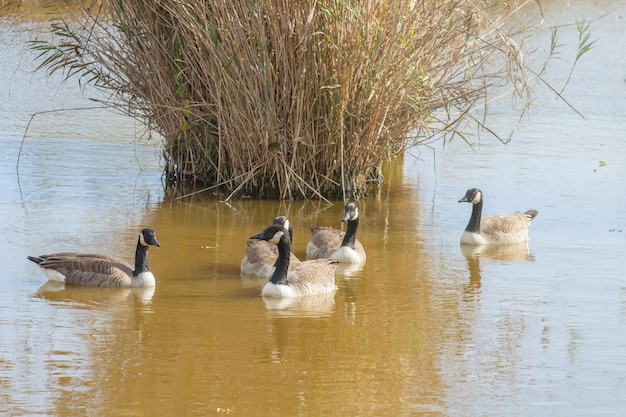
(424, 327)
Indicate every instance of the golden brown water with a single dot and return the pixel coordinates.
(217, 344)
(205, 340)
(424, 328)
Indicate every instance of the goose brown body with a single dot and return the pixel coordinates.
(329, 243)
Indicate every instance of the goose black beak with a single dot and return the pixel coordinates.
(257, 236)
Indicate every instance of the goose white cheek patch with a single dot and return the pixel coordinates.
(276, 238)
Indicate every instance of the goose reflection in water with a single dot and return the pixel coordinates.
(348, 270)
(57, 291)
(513, 252)
(318, 305)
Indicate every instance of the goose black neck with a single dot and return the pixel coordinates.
(474, 222)
(350, 236)
(141, 259)
(290, 240)
(282, 262)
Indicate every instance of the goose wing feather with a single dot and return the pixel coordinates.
(92, 279)
(90, 269)
(260, 258)
(313, 277)
(509, 228)
(324, 241)
(260, 252)
(82, 256)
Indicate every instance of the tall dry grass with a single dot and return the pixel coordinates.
(293, 99)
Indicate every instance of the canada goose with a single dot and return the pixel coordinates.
(308, 278)
(95, 270)
(327, 242)
(512, 228)
(261, 256)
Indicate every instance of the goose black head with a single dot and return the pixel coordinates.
(350, 212)
(147, 238)
(284, 222)
(272, 234)
(473, 195)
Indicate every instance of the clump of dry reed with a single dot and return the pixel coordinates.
(305, 99)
